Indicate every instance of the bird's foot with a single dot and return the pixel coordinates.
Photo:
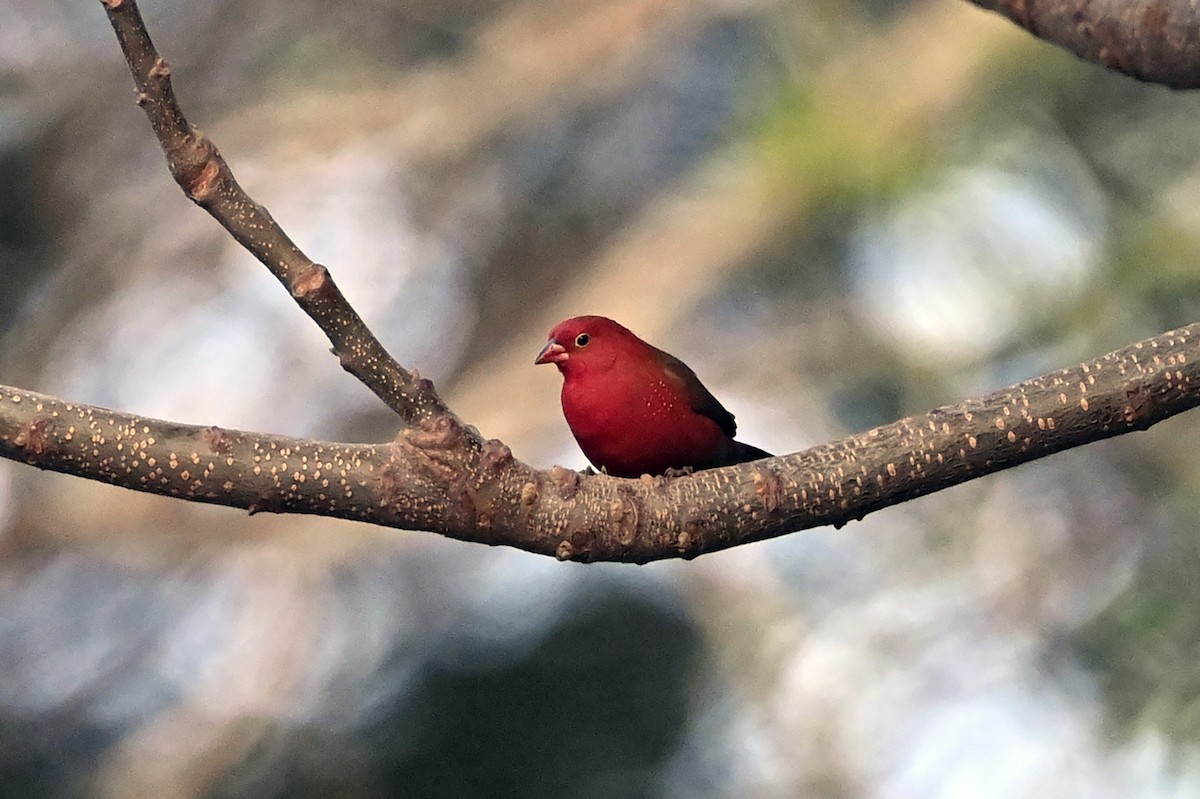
(671, 473)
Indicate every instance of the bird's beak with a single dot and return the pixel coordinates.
(553, 352)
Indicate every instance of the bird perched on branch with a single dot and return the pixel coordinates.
(635, 409)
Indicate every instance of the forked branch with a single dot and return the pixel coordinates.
(427, 480)
(439, 476)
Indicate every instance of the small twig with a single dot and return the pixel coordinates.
(206, 179)
(426, 479)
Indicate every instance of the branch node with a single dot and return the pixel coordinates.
(566, 480)
(442, 432)
(496, 455)
(217, 440)
(266, 503)
(683, 542)
(1138, 408)
(33, 439)
(579, 546)
(161, 68)
(310, 281)
(201, 184)
(623, 512)
(768, 487)
(435, 441)
(688, 544)
(529, 493)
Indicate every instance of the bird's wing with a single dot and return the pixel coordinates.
(700, 398)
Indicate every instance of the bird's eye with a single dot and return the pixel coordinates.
(582, 340)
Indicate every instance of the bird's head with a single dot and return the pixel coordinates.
(585, 343)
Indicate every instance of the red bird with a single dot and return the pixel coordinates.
(635, 409)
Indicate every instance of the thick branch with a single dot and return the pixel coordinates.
(439, 476)
(1152, 40)
(206, 179)
(427, 480)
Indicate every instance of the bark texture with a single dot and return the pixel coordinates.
(432, 477)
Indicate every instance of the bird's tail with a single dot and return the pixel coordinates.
(743, 452)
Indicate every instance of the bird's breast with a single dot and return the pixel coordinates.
(632, 426)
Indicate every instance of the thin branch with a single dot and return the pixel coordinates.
(206, 179)
(1152, 40)
(426, 479)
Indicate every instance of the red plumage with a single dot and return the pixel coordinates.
(635, 409)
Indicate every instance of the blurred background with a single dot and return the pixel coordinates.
(836, 213)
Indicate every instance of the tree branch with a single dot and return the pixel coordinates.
(1152, 40)
(426, 479)
(439, 476)
(206, 179)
